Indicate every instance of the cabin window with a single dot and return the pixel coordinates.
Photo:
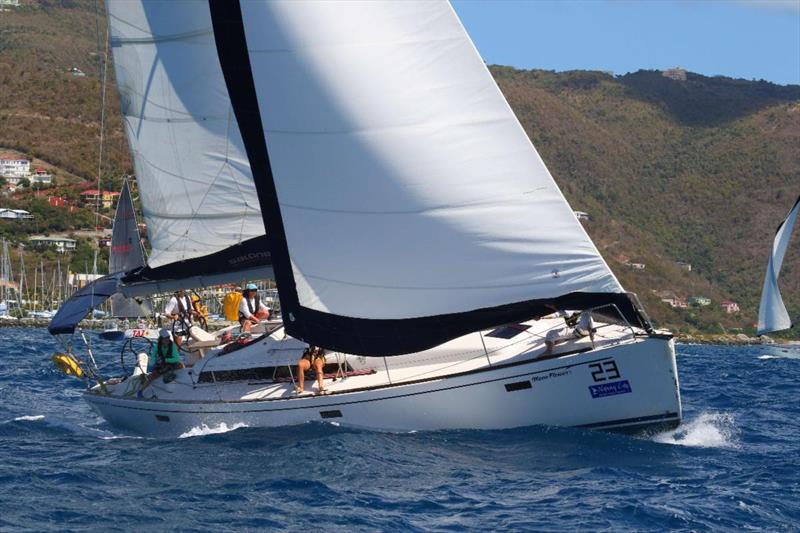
(519, 385)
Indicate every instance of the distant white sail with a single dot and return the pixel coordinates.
(772, 314)
(194, 179)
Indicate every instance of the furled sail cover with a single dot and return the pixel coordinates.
(405, 203)
(194, 179)
(126, 255)
(772, 315)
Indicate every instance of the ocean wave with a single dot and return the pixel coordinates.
(707, 430)
(785, 355)
(203, 430)
(27, 418)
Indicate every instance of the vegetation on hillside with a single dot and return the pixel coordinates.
(700, 170)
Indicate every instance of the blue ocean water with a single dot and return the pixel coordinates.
(733, 464)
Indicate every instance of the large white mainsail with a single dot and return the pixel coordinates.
(405, 203)
(197, 193)
(772, 314)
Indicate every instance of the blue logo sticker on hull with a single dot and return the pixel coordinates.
(610, 389)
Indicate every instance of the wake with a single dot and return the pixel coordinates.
(708, 430)
(201, 431)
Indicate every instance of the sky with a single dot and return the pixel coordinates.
(750, 39)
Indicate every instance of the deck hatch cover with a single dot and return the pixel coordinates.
(331, 414)
(508, 331)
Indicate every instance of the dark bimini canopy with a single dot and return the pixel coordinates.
(81, 304)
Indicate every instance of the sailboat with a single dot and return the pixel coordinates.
(772, 314)
(127, 255)
(361, 154)
(7, 286)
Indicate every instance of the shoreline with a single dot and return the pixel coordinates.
(730, 339)
(725, 339)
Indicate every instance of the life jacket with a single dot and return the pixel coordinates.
(198, 306)
(184, 308)
(230, 305)
(253, 308)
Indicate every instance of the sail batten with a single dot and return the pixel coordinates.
(772, 314)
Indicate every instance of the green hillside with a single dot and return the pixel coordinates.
(700, 170)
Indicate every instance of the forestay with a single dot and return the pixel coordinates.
(196, 189)
(772, 315)
(405, 203)
(126, 255)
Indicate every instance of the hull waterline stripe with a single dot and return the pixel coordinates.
(637, 420)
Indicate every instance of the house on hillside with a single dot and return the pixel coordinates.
(57, 201)
(91, 197)
(14, 214)
(4, 4)
(699, 301)
(635, 266)
(582, 215)
(41, 177)
(75, 71)
(729, 306)
(60, 243)
(677, 74)
(675, 302)
(13, 168)
(684, 265)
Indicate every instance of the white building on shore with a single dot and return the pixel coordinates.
(11, 168)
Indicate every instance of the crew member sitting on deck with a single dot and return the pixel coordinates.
(583, 327)
(180, 310)
(165, 354)
(312, 356)
(251, 309)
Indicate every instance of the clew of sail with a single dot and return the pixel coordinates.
(772, 314)
(126, 255)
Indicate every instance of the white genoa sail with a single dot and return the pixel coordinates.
(197, 193)
(126, 255)
(772, 314)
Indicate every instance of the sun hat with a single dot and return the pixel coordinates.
(251, 287)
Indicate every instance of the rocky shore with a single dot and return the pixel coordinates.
(727, 339)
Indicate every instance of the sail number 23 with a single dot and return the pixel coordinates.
(604, 371)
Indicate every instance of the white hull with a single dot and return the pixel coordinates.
(625, 384)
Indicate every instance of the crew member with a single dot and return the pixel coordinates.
(165, 354)
(312, 356)
(251, 309)
(179, 309)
